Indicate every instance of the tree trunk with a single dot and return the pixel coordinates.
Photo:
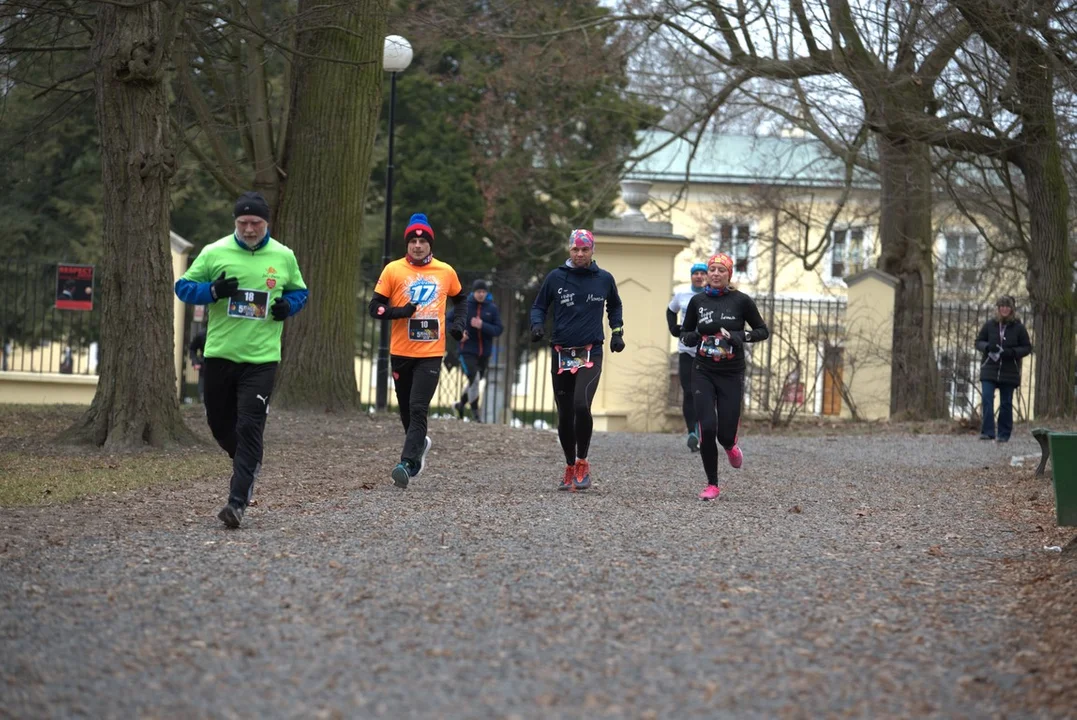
(136, 401)
(1050, 271)
(905, 237)
(335, 104)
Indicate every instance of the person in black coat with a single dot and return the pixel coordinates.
(1002, 342)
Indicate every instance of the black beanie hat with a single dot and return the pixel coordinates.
(1006, 301)
(479, 284)
(252, 203)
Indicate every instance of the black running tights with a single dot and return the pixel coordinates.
(573, 393)
(717, 400)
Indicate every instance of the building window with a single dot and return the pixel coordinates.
(848, 253)
(734, 239)
(961, 258)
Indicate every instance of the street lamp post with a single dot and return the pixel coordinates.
(396, 57)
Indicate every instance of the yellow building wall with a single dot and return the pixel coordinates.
(34, 388)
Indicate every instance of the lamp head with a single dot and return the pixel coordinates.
(397, 54)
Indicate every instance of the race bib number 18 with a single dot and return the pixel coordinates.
(248, 304)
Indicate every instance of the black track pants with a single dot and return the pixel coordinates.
(415, 379)
(688, 406)
(573, 394)
(717, 401)
(237, 401)
(474, 368)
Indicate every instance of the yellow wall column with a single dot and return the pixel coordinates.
(869, 319)
(180, 249)
(633, 393)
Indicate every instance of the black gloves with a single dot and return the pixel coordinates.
(737, 338)
(223, 287)
(691, 339)
(537, 333)
(280, 308)
(617, 342)
(457, 329)
(404, 311)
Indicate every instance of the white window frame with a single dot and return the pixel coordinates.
(981, 253)
(748, 275)
(867, 252)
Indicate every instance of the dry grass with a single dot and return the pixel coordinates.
(36, 471)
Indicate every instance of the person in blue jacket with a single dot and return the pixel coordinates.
(483, 325)
(577, 290)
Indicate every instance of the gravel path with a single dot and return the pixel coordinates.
(837, 576)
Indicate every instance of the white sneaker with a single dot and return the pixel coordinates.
(422, 458)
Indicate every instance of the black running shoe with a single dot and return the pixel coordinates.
(231, 515)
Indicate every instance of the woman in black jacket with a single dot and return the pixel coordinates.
(1002, 343)
(714, 326)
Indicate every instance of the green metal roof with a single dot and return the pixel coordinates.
(740, 160)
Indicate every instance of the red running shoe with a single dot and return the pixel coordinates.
(570, 475)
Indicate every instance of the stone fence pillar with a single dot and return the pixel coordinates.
(869, 340)
(633, 392)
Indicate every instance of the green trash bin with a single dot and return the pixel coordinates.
(1064, 471)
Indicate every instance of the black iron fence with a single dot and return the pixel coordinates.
(516, 388)
(801, 369)
(798, 370)
(37, 336)
(955, 329)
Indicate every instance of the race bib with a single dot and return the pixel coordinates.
(249, 304)
(424, 329)
(572, 359)
(716, 347)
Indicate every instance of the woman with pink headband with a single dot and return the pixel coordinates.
(714, 324)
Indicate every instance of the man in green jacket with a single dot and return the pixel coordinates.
(250, 283)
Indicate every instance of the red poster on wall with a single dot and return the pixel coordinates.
(74, 287)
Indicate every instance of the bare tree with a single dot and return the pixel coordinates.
(287, 103)
(1003, 112)
(135, 402)
(885, 59)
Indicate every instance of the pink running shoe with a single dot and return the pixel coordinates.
(710, 493)
(736, 457)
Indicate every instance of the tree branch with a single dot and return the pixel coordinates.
(224, 162)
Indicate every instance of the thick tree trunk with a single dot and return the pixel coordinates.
(136, 401)
(905, 237)
(1050, 272)
(335, 103)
